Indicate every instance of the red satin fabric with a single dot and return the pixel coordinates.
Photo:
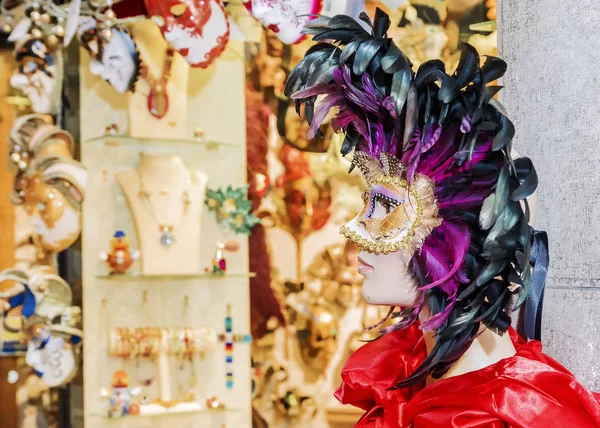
(529, 389)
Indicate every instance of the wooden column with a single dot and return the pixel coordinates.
(9, 413)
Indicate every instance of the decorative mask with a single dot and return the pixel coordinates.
(37, 76)
(115, 59)
(197, 29)
(395, 217)
(51, 356)
(49, 183)
(44, 297)
(286, 18)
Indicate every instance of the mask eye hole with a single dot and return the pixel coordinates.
(178, 10)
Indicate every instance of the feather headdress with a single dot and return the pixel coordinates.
(449, 128)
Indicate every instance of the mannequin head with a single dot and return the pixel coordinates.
(198, 30)
(117, 61)
(36, 76)
(286, 18)
(443, 234)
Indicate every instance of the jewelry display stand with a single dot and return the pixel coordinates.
(153, 51)
(160, 292)
(167, 219)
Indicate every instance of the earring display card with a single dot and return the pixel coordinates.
(167, 287)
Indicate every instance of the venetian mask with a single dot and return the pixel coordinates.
(116, 60)
(50, 355)
(54, 214)
(197, 29)
(286, 18)
(37, 76)
(395, 220)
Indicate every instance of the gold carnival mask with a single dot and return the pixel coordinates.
(395, 216)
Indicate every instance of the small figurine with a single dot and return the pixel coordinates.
(120, 396)
(120, 258)
(219, 264)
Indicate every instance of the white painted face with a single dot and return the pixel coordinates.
(38, 86)
(119, 65)
(284, 17)
(200, 50)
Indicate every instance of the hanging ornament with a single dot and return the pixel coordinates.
(197, 29)
(286, 18)
(233, 209)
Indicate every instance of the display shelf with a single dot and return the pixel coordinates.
(140, 277)
(169, 412)
(134, 142)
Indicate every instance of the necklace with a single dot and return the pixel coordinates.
(167, 231)
(158, 98)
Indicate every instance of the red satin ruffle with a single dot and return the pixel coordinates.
(529, 389)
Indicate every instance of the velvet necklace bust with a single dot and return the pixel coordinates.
(444, 236)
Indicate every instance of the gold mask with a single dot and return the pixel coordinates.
(395, 216)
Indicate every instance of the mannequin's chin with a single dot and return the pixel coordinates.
(373, 293)
(389, 289)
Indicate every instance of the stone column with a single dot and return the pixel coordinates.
(552, 94)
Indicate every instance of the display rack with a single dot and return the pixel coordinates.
(215, 104)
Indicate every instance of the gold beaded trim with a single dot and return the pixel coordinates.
(391, 247)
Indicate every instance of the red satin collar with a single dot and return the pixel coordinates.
(529, 389)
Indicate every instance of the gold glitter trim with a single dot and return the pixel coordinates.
(421, 193)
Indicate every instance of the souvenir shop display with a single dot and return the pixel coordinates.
(438, 170)
(187, 141)
(149, 175)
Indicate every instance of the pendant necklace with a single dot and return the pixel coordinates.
(167, 231)
(158, 98)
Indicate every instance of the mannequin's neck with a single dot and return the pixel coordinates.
(159, 164)
(487, 348)
(163, 172)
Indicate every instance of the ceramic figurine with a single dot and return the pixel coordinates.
(120, 258)
(120, 395)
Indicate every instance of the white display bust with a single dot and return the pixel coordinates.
(166, 179)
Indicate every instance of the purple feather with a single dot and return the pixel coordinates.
(321, 112)
(443, 261)
(466, 199)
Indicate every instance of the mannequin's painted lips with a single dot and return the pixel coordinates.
(363, 267)
(274, 28)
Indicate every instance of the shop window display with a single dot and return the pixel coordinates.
(208, 182)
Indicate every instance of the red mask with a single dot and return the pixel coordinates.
(197, 29)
